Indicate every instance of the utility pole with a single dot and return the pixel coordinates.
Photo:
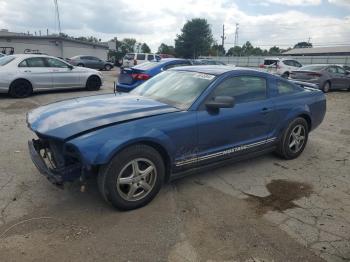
(223, 37)
(57, 16)
(236, 35)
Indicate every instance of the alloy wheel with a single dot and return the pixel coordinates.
(297, 138)
(136, 179)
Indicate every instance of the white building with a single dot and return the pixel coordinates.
(51, 45)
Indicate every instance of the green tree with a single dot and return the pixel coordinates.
(145, 48)
(166, 49)
(195, 39)
(217, 50)
(275, 50)
(234, 51)
(303, 45)
(247, 49)
(127, 45)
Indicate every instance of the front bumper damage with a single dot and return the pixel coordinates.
(57, 172)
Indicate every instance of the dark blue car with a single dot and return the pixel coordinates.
(129, 78)
(182, 120)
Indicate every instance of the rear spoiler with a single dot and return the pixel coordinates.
(305, 84)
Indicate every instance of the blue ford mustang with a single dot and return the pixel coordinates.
(184, 119)
(129, 78)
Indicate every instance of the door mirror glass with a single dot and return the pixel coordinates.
(221, 102)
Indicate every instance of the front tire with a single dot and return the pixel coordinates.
(93, 83)
(294, 139)
(20, 89)
(132, 178)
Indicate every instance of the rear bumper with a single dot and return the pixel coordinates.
(127, 88)
(56, 176)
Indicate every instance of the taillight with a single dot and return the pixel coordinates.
(262, 66)
(140, 76)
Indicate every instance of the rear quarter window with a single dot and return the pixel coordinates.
(284, 88)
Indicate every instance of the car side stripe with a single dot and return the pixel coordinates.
(224, 152)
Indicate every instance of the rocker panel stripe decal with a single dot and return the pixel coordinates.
(224, 152)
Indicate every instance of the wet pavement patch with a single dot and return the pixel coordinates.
(282, 195)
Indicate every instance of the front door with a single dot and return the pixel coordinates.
(238, 130)
(62, 75)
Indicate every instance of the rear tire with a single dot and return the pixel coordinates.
(81, 65)
(326, 87)
(294, 139)
(108, 67)
(20, 89)
(132, 178)
(93, 83)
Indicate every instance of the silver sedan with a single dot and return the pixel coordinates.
(21, 75)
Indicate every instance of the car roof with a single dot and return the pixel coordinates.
(214, 69)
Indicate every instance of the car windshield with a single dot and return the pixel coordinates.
(312, 68)
(5, 60)
(129, 56)
(176, 88)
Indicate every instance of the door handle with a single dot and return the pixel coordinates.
(27, 71)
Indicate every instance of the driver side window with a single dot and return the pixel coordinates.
(243, 89)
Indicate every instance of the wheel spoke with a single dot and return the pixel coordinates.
(145, 186)
(135, 168)
(125, 180)
(147, 171)
(293, 143)
(132, 191)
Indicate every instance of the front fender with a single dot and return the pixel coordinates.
(99, 147)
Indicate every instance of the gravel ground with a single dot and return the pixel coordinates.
(264, 209)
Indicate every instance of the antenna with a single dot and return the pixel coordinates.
(236, 35)
(57, 16)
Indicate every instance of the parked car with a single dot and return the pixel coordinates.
(346, 68)
(207, 62)
(281, 67)
(129, 78)
(182, 120)
(91, 62)
(132, 59)
(327, 77)
(21, 75)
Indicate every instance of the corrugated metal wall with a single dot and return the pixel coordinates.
(255, 61)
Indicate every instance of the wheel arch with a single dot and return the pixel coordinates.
(308, 120)
(20, 79)
(94, 75)
(161, 149)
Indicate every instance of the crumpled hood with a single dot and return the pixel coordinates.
(68, 118)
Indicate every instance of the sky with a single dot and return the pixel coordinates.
(264, 23)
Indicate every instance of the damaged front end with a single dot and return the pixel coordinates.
(59, 163)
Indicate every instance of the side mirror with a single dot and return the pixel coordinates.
(70, 67)
(221, 102)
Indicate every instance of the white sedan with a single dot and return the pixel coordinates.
(21, 75)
